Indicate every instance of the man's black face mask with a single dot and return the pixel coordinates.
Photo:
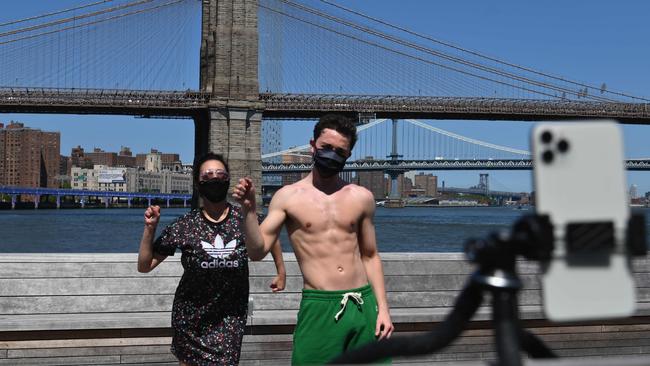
(328, 162)
(214, 190)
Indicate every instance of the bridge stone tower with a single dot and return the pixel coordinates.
(228, 70)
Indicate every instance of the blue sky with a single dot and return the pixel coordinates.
(588, 41)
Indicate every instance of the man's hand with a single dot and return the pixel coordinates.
(244, 193)
(279, 282)
(152, 216)
(384, 327)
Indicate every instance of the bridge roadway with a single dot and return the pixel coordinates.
(406, 165)
(190, 103)
(60, 192)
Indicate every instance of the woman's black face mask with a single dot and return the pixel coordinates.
(328, 162)
(214, 190)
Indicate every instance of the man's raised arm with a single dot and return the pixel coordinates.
(259, 241)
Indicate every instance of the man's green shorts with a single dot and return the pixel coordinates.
(319, 337)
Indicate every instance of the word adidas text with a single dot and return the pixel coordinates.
(220, 263)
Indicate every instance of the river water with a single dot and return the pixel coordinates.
(116, 230)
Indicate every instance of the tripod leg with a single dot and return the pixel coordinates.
(534, 346)
(506, 326)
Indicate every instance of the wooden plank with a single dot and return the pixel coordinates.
(267, 355)
(262, 338)
(87, 351)
(84, 304)
(266, 346)
(98, 265)
(267, 362)
(70, 257)
(88, 286)
(166, 286)
(90, 342)
(84, 270)
(630, 360)
(146, 359)
(260, 284)
(600, 336)
(86, 360)
(589, 344)
(606, 351)
(398, 315)
(85, 321)
(626, 327)
(642, 262)
(396, 267)
(3, 353)
(402, 299)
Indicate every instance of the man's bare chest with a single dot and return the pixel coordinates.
(313, 215)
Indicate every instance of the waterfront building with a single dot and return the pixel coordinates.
(155, 160)
(163, 181)
(374, 181)
(125, 157)
(78, 158)
(84, 178)
(125, 179)
(101, 157)
(28, 157)
(428, 183)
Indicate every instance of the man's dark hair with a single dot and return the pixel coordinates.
(340, 123)
(202, 159)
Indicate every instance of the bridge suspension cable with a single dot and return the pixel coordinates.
(468, 139)
(82, 25)
(397, 52)
(134, 45)
(53, 13)
(306, 146)
(369, 142)
(480, 55)
(72, 19)
(423, 60)
(454, 59)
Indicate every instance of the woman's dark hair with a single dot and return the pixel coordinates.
(202, 159)
(338, 122)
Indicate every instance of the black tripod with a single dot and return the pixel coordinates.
(532, 238)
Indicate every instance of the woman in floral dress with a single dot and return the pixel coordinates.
(211, 300)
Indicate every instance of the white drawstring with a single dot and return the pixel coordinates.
(356, 296)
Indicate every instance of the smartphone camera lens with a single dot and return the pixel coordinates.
(563, 145)
(547, 156)
(547, 136)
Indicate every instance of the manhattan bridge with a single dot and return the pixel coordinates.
(236, 67)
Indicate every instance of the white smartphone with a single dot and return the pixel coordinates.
(579, 179)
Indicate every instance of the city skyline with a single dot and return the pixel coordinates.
(598, 43)
(497, 184)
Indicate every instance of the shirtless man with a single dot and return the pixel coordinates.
(330, 225)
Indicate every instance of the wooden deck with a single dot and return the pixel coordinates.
(97, 309)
